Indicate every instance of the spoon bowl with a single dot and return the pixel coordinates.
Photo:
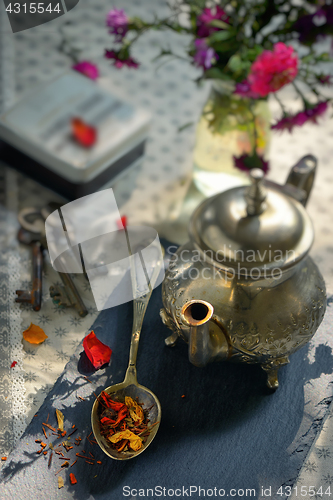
(118, 392)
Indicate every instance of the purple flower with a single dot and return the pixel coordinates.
(117, 21)
(312, 27)
(288, 122)
(206, 17)
(325, 79)
(87, 68)
(244, 90)
(247, 162)
(120, 62)
(204, 56)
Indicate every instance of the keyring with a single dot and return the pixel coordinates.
(31, 219)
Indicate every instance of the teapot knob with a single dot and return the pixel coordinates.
(256, 194)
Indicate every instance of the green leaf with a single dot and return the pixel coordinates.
(235, 63)
(220, 36)
(324, 57)
(216, 73)
(307, 59)
(217, 23)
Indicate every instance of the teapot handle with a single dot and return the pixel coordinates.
(302, 176)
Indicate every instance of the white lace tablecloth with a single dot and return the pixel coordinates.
(152, 194)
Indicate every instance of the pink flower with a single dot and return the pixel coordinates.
(204, 56)
(288, 122)
(247, 162)
(206, 17)
(119, 62)
(273, 69)
(87, 68)
(117, 21)
(244, 90)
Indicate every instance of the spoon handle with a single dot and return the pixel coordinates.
(140, 304)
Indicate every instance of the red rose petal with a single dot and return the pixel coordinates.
(98, 353)
(84, 134)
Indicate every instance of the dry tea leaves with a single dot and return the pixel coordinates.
(34, 334)
(60, 419)
(61, 483)
(123, 424)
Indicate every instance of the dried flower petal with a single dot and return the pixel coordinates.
(84, 134)
(60, 418)
(135, 441)
(14, 363)
(122, 222)
(135, 410)
(72, 478)
(60, 482)
(34, 334)
(98, 353)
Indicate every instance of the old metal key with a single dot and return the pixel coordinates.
(67, 295)
(34, 296)
(32, 232)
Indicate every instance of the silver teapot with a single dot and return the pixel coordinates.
(244, 288)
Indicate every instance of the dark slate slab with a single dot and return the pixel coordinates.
(227, 432)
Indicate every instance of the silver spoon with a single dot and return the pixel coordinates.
(130, 386)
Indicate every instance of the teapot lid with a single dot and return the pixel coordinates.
(256, 226)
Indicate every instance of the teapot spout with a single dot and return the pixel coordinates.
(197, 314)
(302, 177)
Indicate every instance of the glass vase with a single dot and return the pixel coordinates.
(230, 125)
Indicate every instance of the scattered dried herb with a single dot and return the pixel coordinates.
(49, 427)
(123, 423)
(4, 459)
(61, 483)
(14, 363)
(34, 334)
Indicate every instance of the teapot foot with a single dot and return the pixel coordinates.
(171, 341)
(272, 368)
